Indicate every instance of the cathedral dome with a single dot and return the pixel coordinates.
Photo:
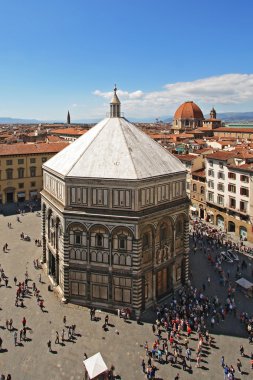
(188, 110)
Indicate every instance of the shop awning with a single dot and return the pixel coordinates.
(21, 194)
(244, 283)
(209, 212)
(95, 365)
(33, 193)
(192, 208)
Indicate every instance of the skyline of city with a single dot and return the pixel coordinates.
(59, 56)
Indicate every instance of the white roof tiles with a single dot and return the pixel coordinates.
(114, 149)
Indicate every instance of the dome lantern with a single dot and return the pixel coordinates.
(115, 104)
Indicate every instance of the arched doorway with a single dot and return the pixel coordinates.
(243, 233)
(220, 221)
(231, 226)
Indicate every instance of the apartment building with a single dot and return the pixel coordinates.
(21, 170)
(229, 192)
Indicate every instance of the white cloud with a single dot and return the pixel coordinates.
(224, 91)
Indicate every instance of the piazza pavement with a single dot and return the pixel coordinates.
(121, 345)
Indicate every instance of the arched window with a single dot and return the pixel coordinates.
(179, 227)
(99, 240)
(122, 239)
(145, 241)
(202, 190)
(194, 187)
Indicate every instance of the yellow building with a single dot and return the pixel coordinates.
(21, 170)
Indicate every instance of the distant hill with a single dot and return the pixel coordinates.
(235, 116)
(10, 120)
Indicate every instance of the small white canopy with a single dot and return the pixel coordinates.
(95, 365)
(244, 283)
(192, 208)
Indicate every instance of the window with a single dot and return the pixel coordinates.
(211, 172)
(202, 190)
(9, 173)
(122, 242)
(187, 185)
(33, 171)
(33, 184)
(99, 240)
(231, 188)
(220, 200)
(78, 238)
(210, 196)
(221, 175)
(220, 187)
(244, 178)
(145, 241)
(194, 187)
(8, 162)
(122, 289)
(21, 185)
(243, 206)
(21, 172)
(211, 163)
(211, 184)
(221, 165)
(32, 160)
(244, 191)
(232, 202)
(231, 175)
(20, 161)
(44, 159)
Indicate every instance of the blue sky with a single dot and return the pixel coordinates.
(67, 54)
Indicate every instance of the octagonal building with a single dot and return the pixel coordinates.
(115, 218)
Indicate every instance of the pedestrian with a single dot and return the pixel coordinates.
(184, 365)
(40, 277)
(7, 324)
(63, 336)
(24, 333)
(24, 322)
(106, 319)
(64, 320)
(222, 361)
(209, 280)
(20, 334)
(177, 377)
(15, 337)
(143, 366)
(85, 356)
(49, 346)
(8, 377)
(239, 365)
(1, 343)
(226, 371)
(6, 282)
(57, 341)
(10, 324)
(241, 350)
(15, 280)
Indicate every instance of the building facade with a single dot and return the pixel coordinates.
(115, 218)
(229, 193)
(21, 170)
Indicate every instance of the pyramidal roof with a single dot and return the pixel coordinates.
(114, 149)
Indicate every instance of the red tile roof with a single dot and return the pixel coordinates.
(19, 149)
(69, 131)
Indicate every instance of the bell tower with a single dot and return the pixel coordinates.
(115, 104)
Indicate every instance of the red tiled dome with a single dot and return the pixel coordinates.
(188, 110)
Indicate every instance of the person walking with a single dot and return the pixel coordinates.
(10, 324)
(143, 366)
(241, 350)
(24, 322)
(1, 343)
(239, 365)
(222, 362)
(49, 346)
(57, 341)
(15, 280)
(64, 320)
(15, 338)
(106, 319)
(62, 336)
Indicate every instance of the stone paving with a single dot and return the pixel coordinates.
(31, 359)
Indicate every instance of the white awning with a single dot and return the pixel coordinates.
(244, 283)
(21, 194)
(193, 208)
(33, 193)
(95, 365)
(209, 212)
